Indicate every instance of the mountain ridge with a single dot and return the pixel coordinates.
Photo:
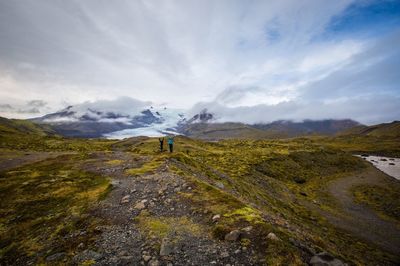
(90, 121)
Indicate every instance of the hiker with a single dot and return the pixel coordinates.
(171, 143)
(161, 140)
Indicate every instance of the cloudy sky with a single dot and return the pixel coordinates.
(249, 61)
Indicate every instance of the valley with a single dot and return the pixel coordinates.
(237, 202)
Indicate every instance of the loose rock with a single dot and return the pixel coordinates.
(55, 257)
(233, 235)
(325, 259)
(140, 205)
(167, 247)
(154, 263)
(146, 258)
(216, 217)
(272, 236)
(125, 199)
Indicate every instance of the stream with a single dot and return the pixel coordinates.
(388, 165)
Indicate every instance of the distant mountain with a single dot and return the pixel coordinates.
(126, 117)
(203, 117)
(381, 130)
(284, 128)
(215, 131)
(111, 118)
(200, 127)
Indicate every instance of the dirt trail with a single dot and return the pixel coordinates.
(359, 219)
(121, 242)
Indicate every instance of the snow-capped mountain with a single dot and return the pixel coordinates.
(123, 117)
(126, 117)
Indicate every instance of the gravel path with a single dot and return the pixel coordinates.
(121, 242)
(359, 219)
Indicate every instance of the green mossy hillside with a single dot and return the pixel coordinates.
(44, 204)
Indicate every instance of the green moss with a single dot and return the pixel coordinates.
(114, 162)
(386, 201)
(146, 168)
(246, 213)
(41, 203)
(160, 227)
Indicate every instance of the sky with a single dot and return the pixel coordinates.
(246, 61)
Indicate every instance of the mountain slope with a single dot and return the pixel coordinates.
(307, 127)
(381, 130)
(17, 126)
(274, 130)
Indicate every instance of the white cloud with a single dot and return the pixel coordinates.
(179, 52)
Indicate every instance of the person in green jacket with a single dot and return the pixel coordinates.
(171, 143)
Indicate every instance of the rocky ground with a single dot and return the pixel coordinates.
(147, 220)
(121, 242)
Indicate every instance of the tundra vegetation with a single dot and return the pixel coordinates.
(275, 186)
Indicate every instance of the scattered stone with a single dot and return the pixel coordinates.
(167, 247)
(225, 254)
(220, 185)
(124, 260)
(126, 199)
(383, 160)
(237, 251)
(140, 205)
(233, 235)
(146, 258)
(154, 262)
(391, 164)
(272, 236)
(56, 256)
(247, 228)
(115, 183)
(123, 254)
(216, 218)
(90, 254)
(81, 246)
(325, 259)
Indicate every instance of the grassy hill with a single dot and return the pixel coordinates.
(20, 127)
(18, 134)
(381, 130)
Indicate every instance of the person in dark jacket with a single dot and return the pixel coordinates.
(161, 140)
(171, 143)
